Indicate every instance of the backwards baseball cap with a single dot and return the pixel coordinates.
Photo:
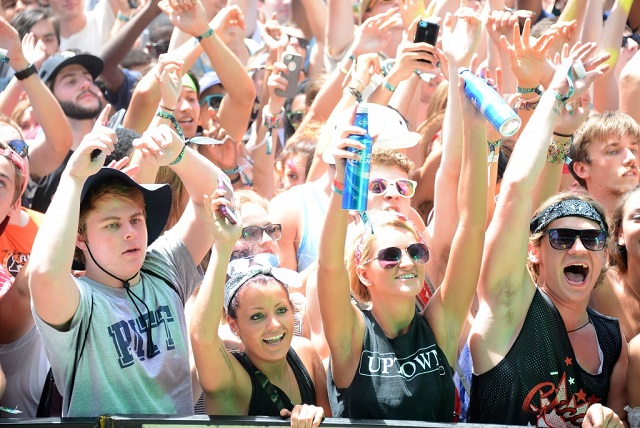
(157, 198)
(55, 63)
(389, 125)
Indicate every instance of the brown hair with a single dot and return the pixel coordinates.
(113, 187)
(618, 253)
(388, 157)
(536, 238)
(361, 248)
(601, 127)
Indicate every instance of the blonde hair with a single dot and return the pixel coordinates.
(363, 243)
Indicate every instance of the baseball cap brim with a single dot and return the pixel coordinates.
(389, 126)
(54, 64)
(157, 198)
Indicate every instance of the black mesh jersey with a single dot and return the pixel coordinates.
(539, 381)
(405, 378)
(261, 404)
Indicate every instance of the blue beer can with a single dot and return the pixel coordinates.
(356, 174)
(494, 108)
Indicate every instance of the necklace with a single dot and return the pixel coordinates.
(581, 327)
(634, 291)
(290, 389)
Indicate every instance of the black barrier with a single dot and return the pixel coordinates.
(212, 421)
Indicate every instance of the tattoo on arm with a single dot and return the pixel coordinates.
(225, 356)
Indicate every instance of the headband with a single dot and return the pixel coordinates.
(568, 208)
(188, 82)
(287, 277)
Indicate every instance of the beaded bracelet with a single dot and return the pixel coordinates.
(271, 122)
(173, 120)
(558, 151)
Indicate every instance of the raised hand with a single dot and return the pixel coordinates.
(224, 155)
(161, 144)
(527, 61)
(89, 157)
(224, 232)
(187, 15)
(229, 20)
(169, 78)
(500, 23)
(460, 42)
(35, 51)
(410, 10)
(374, 35)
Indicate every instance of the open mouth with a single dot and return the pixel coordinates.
(407, 276)
(274, 340)
(576, 273)
(131, 251)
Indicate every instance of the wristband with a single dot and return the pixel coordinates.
(388, 86)
(272, 121)
(335, 189)
(180, 156)
(123, 17)
(562, 135)
(204, 35)
(166, 108)
(337, 184)
(528, 90)
(578, 68)
(232, 171)
(353, 91)
(563, 98)
(173, 120)
(26, 72)
(236, 180)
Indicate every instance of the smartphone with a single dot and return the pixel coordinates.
(294, 65)
(229, 212)
(116, 120)
(427, 32)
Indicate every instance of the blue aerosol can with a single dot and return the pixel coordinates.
(494, 108)
(356, 173)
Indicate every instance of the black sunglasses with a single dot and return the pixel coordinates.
(254, 233)
(563, 239)
(635, 37)
(390, 257)
(295, 118)
(20, 147)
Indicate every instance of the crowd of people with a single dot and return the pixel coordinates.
(172, 229)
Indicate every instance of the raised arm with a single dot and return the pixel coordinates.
(54, 294)
(629, 88)
(343, 324)
(447, 310)
(198, 175)
(48, 150)
(458, 46)
(214, 366)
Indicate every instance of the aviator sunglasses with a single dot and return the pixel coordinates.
(390, 257)
(563, 239)
(255, 233)
(405, 187)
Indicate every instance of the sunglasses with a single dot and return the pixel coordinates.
(390, 257)
(20, 147)
(214, 101)
(405, 187)
(255, 233)
(295, 118)
(563, 239)
(635, 37)
(239, 266)
(157, 49)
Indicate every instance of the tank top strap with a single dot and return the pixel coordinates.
(303, 379)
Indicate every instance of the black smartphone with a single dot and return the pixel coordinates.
(294, 65)
(427, 32)
(229, 212)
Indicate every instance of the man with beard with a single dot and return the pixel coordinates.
(70, 77)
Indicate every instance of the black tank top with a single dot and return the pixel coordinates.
(404, 378)
(261, 404)
(539, 381)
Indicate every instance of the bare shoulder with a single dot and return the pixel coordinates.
(604, 295)
(305, 350)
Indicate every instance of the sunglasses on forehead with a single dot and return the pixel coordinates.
(20, 147)
(405, 187)
(390, 257)
(255, 233)
(213, 100)
(563, 239)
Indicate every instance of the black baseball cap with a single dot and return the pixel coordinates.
(55, 63)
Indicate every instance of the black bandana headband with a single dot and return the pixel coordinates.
(568, 208)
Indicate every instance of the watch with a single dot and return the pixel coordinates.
(26, 72)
